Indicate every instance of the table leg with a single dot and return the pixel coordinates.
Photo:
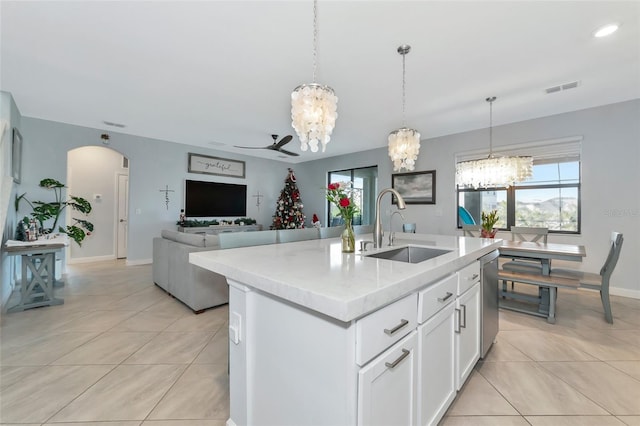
(551, 318)
(36, 288)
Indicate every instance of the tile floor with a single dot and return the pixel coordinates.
(120, 352)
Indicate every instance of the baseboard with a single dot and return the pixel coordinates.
(90, 259)
(139, 262)
(624, 292)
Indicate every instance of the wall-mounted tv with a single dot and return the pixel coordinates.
(214, 199)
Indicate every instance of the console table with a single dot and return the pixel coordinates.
(38, 276)
(217, 229)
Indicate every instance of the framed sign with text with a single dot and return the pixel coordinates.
(207, 165)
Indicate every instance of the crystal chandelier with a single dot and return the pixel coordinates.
(313, 106)
(492, 172)
(404, 143)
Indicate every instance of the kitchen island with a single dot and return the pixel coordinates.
(321, 337)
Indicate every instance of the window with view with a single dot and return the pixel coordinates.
(365, 184)
(551, 199)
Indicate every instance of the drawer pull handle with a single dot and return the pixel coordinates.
(405, 353)
(442, 299)
(403, 322)
(464, 316)
(458, 322)
(473, 277)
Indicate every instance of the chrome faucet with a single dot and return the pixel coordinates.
(377, 227)
(391, 233)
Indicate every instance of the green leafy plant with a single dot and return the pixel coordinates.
(489, 220)
(43, 211)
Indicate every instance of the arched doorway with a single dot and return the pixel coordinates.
(100, 175)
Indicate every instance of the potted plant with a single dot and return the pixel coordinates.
(43, 211)
(488, 222)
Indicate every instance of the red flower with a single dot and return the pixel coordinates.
(344, 202)
(333, 186)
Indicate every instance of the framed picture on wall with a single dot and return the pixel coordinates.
(16, 156)
(415, 187)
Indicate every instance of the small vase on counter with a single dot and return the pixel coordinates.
(348, 237)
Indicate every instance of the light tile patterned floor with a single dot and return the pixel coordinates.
(120, 352)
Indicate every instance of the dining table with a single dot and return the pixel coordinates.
(543, 253)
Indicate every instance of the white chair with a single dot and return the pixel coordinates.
(471, 231)
(524, 233)
(598, 281)
(291, 235)
(245, 239)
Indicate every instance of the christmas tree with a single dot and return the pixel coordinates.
(288, 213)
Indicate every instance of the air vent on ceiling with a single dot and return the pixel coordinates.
(561, 87)
(111, 123)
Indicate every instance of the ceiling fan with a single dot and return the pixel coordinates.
(276, 146)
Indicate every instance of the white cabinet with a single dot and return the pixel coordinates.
(387, 386)
(436, 370)
(467, 333)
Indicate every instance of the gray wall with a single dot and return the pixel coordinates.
(9, 112)
(152, 164)
(610, 158)
(610, 179)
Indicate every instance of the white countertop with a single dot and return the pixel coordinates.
(317, 275)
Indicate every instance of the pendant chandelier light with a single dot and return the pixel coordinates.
(313, 106)
(493, 172)
(404, 143)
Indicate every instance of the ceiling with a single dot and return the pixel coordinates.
(220, 73)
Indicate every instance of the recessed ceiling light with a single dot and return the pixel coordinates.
(606, 30)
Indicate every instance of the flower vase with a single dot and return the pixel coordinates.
(488, 234)
(348, 238)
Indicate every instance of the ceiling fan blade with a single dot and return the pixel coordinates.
(284, 151)
(284, 141)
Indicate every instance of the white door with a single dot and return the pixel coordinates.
(123, 209)
(387, 386)
(467, 333)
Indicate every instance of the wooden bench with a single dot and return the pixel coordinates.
(546, 298)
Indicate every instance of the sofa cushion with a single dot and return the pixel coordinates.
(291, 235)
(196, 240)
(244, 239)
(212, 241)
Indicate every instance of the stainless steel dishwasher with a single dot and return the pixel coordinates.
(489, 295)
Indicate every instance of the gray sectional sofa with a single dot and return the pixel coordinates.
(200, 289)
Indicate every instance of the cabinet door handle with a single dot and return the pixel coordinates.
(403, 322)
(405, 353)
(458, 322)
(473, 277)
(463, 324)
(442, 299)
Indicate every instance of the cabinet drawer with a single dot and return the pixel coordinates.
(381, 329)
(468, 276)
(436, 297)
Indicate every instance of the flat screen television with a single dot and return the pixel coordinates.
(215, 199)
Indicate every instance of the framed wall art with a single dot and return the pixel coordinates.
(207, 165)
(415, 187)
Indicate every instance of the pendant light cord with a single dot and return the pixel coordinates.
(490, 100)
(404, 121)
(315, 37)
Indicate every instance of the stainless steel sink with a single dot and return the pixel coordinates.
(410, 254)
